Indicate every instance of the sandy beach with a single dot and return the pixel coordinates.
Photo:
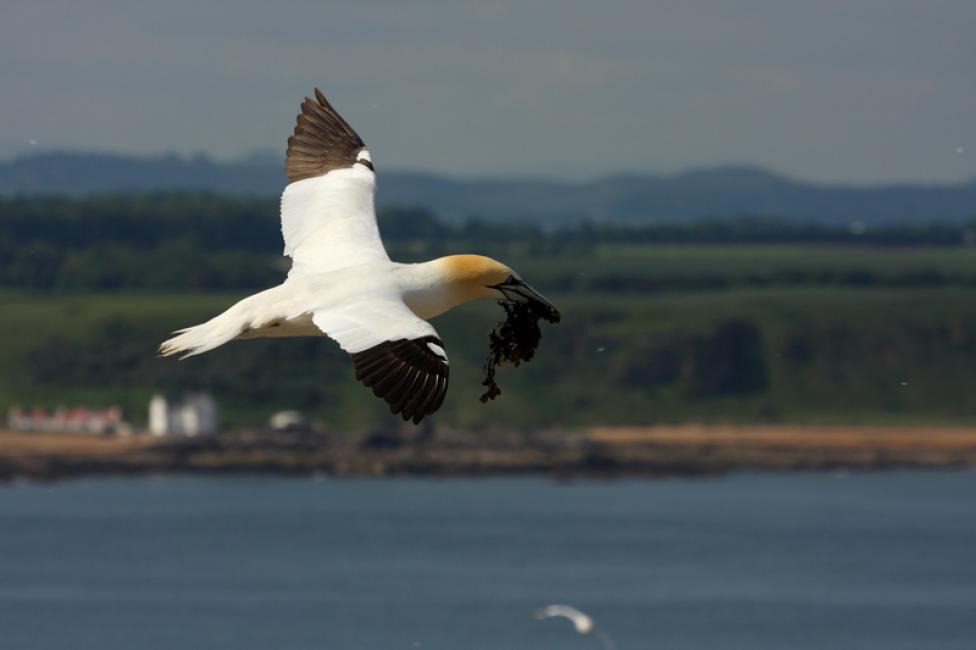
(658, 450)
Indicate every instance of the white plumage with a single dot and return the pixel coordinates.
(342, 283)
(582, 622)
(328, 222)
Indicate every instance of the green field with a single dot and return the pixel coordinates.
(686, 266)
(796, 333)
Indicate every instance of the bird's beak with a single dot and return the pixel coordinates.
(515, 290)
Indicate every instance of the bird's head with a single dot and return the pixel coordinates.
(484, 277)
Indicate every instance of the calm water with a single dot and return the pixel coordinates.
(885, 561)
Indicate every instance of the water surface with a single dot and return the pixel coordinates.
(882, 561)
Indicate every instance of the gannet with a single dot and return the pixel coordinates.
(582, 622)
(342, 284)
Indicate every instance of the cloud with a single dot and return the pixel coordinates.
(828, 90)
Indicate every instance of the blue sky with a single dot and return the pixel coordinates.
(830, 90)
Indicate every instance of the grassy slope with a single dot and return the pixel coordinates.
(825, 353)
(689, 266)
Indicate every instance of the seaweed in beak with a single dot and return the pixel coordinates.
(517, 291)
(516, 339)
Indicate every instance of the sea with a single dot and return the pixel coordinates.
(859, 561)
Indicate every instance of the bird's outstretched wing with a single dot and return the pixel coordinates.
(393, 352)
(327, 215)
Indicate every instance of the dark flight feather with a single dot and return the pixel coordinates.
(322, 141)
(407, 374)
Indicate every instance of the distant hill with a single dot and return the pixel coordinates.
(624, 198)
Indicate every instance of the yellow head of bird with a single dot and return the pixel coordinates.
(482, 277)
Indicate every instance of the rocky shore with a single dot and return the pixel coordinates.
(643, 451)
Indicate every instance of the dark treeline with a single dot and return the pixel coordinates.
(768, 230)
(214, 242)
(142, 221)
(243, 224)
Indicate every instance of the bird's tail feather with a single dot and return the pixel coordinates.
(215, 332)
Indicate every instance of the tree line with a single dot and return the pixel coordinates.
(220, 242)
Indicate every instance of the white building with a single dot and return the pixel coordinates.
(196, 415)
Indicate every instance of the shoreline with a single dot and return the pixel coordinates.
(673, 450)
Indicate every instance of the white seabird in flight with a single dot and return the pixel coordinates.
(583, 623)
(342, 284)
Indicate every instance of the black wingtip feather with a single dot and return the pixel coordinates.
(405, 373)
(322, 141)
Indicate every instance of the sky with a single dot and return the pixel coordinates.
(853, 91)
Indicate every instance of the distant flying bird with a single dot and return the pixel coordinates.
(342, 284)
(583, 623)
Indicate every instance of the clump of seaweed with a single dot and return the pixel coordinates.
(515, 339)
